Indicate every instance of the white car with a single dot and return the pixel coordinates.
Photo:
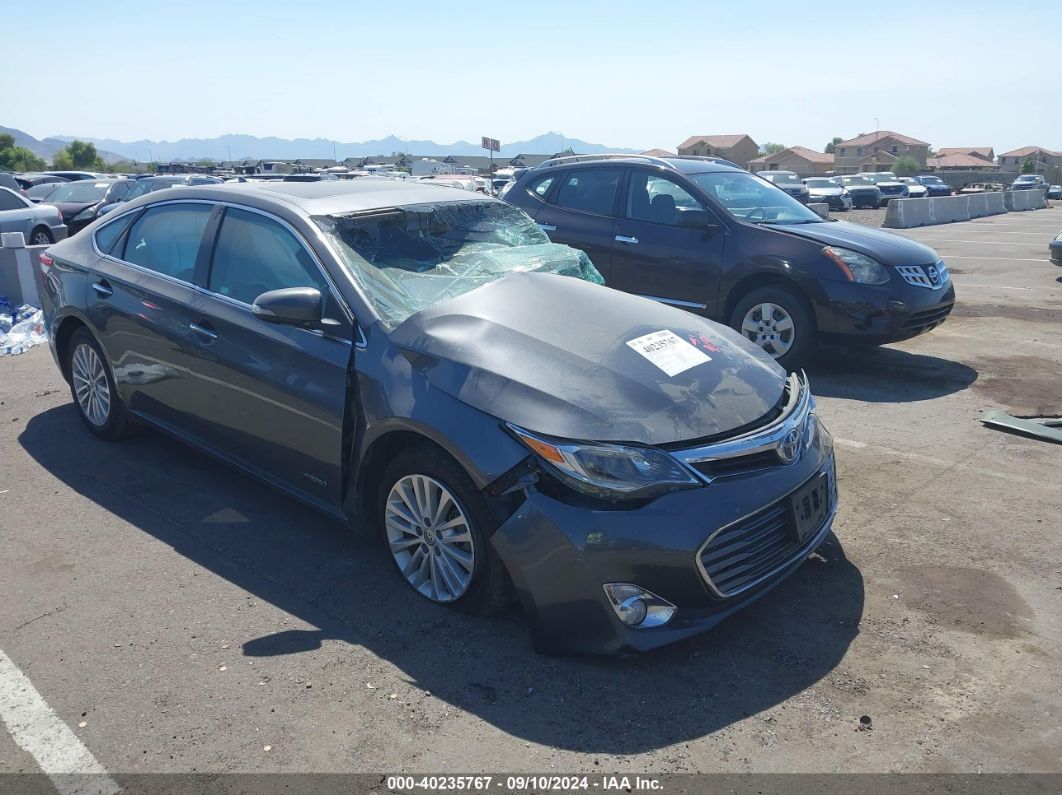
(915, 189)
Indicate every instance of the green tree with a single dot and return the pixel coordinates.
(772, 148)
(1028, 167)
(906, 166)
(17, 158)
(78, 155)
(832, 146)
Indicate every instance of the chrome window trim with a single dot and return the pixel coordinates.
(210, 293)
(805, 549)
(797, 413)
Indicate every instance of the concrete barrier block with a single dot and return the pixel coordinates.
(12, 240)
(17, 266)
(821, 208)
(906, 213)
(995, 203)
(1018, 200)
(978, 205)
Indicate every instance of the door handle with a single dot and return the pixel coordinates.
(631, 241)
(209, 335)
(103, 288)
(547, 227)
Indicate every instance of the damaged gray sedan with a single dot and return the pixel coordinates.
(428, 367)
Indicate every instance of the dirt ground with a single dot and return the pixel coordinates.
(190, 618)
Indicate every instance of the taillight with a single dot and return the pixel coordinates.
(46, 262)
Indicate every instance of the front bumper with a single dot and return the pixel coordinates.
(847, 312)
(836, 202)
(560, 555)
(865, 198)
(1056, 251)
(74, 227)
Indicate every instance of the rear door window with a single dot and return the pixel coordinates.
(540, 186)
(166, 239)
(657, 199)
(590, 190)
(9, 201)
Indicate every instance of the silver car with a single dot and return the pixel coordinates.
(39, 223)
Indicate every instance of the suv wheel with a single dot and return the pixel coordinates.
(775, 318)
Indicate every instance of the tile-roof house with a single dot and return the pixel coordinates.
(960, 161)
(1043, 159)
(805, 162)
(738, 149)
(658, 153)
(877, 151)
(983, 152)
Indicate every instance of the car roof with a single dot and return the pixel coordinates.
(325, 197)
(683, 165)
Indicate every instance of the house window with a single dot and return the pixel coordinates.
(841, 151)
(895, 149)
(859, 150)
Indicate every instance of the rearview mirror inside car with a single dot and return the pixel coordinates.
(297, 306)
(698, 219)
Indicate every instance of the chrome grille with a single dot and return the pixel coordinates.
(932, 276)
(751, 550)
(764, 447)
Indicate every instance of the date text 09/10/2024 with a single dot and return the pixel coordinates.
(525, 783)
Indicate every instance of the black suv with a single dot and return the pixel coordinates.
(721, 242)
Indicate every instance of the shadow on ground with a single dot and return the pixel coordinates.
(885, 375)
(323, 574)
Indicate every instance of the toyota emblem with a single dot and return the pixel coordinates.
(789, 447)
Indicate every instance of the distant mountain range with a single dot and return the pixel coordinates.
(240, 147)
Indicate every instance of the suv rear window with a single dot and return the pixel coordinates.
(590, 190)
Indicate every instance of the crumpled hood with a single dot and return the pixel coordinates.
(550, 353)
(885, 247)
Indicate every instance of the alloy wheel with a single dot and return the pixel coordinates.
(430, 538)
(90, 385)
(771, 327)
(40, 239)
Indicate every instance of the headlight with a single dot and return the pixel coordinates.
(857, 267)
(87, 214)
(1058, 236)
(609, 470)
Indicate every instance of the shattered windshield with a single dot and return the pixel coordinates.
(409, 258)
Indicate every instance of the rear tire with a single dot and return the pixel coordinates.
(777, 319)
(41, 236)
(92, 387)
(436, 526)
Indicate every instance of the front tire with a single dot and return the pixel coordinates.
(92, 387)
(437, 526)
(779, 321)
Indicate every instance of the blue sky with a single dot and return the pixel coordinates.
(641, 74)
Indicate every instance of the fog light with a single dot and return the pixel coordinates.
(637, 607)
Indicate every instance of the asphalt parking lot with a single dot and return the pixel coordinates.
(178, 616)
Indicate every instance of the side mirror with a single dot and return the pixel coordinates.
(296, 306)
(698, 219)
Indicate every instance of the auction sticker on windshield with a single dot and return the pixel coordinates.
(668, 351)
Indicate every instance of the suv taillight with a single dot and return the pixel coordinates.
(46, 262)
